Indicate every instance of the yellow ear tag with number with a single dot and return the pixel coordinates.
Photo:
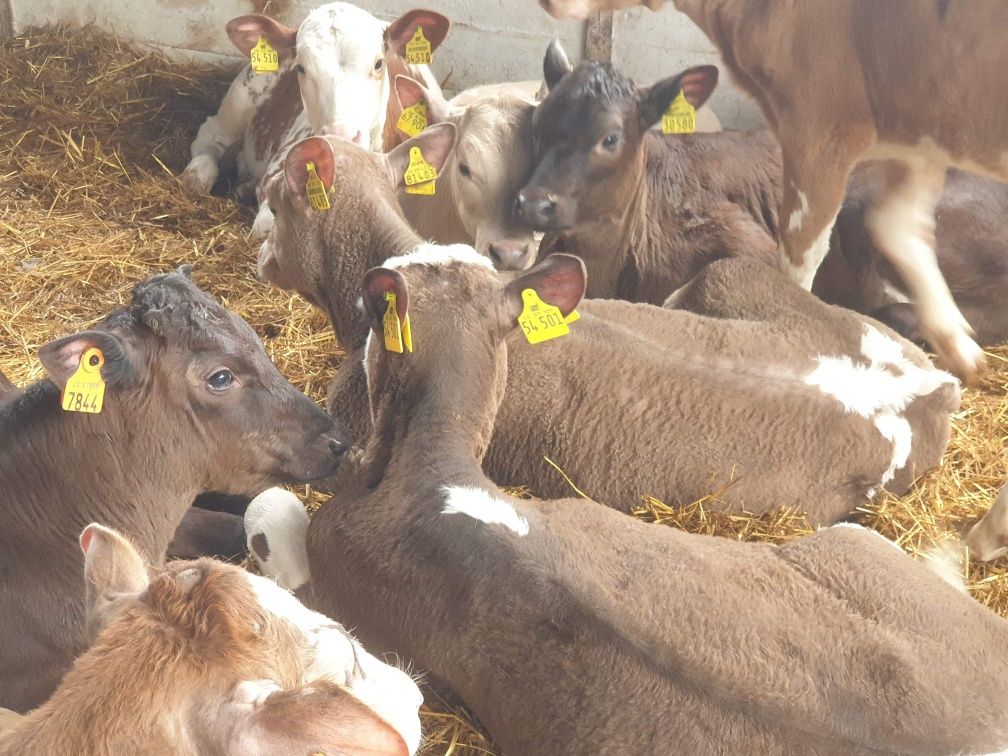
(574, 316)
(397, 334)
(680, 118)
(420, 174)
(540, 320)
(318, 196)
(413, 119)
(85, 391)
(418, 49)
(264, 57)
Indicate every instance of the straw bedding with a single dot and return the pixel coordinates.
(92, 132)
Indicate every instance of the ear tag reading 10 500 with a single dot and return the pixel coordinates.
(397, 334)
(85, 391)
(420, 174)
(418, 49)
(540, 320)
(318, 197)
(680, 118)
(264, 57)
(413, 119)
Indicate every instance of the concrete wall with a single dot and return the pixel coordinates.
(490, 40)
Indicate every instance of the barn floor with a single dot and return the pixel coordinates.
(92, 132)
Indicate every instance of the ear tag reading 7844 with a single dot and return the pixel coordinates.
(85, 391)
(420, 174)
(680, 118)
(318, 197)
(418, 49)
(413, 119)
(540, 320)
(397, 334)
(264, 57)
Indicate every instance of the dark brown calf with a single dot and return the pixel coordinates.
(192, 403)
(568, 628)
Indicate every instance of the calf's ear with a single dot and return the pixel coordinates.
(114, 575)
(245, 31)
(409, 92)
(377, 283)
(559, 280)
(556, 64)
(62, 357)
(696, 84)
(315, 150)
(400, 32)
(435, 144)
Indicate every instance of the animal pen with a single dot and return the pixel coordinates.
(95, 128)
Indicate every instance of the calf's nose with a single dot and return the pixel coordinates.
(343, 132)
(510, 255)
(338, 448)
(537, 207)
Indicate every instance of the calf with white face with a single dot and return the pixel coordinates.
(333, 79)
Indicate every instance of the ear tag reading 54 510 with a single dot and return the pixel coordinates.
(680, 118)
(540, 320)
(413, 119)
(318, 197)
(264, 57)
(420, 174)
(418, 49)
(85, 391)
(397, 334)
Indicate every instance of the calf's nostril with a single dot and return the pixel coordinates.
(338, 448)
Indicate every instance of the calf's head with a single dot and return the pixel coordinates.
(587, 136)
(191, 380)
(203, 652)
(491, 160)
(341, 55)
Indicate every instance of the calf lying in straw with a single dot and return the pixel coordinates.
(205, 658)
(797, 402)
(189, 402)
(569, 628)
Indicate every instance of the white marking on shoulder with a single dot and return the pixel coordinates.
(440, 254)
(855, 526)
(482, 506)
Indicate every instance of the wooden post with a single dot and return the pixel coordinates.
(599, 38)
(6, 20)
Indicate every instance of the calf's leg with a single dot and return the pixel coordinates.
(217, 134)
(206, 533)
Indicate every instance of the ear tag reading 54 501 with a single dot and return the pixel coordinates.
(264, 57)
(318, 197)
(680, 118)
(413, 119)
(540, 320)
(85, 391)
(397, 334)
(420, 174)
(418, 49)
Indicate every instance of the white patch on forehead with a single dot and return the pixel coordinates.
(482, 506)
(440, 254)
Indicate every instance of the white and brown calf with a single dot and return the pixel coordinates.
(334, 78)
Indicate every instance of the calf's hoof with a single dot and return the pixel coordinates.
(200, 175)
(958, 353)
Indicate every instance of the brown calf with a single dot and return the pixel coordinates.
(798, 402)
(860, 79)
(568, 628)
(205, 658)
(192, 403)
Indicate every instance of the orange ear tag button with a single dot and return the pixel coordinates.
(85, 390)
(418, 49)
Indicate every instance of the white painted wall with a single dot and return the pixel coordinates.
(490, 40)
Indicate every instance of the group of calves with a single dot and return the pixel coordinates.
(685, 362)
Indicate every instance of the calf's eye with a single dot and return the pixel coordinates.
(379, 65)
(299, 68)
(610, 142)
(220, 380)
(464, 170)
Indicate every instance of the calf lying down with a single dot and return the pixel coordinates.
(754, 383)
(569, 628)
(204, 658)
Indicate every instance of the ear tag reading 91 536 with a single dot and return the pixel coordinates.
(420, 174)
(540, 320)
(680, 118)
(413, 119)
(418, 49)
(318, 197)
(85, 391)
(397, 334)
(264, 57)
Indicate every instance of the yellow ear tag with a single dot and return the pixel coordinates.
(420, 174)
(397, 334)
(418, 49)
(318, 197)
(574, 316)
(680, 118)
(264, 57)
(413, 119)
(85, 390)
(540, 320)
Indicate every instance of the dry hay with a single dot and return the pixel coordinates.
(91, 132)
